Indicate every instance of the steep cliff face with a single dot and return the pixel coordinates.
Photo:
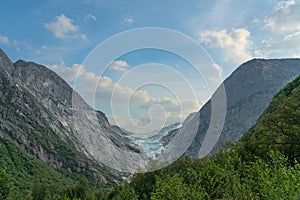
(249, 91)
(42, 114)
(27, 123)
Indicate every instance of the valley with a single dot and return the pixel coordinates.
(48, 126)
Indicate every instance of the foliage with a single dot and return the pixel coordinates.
(5, 184)
(263, 165)
(25, 170)
(124, 192)
(279, 127)
(26, 123)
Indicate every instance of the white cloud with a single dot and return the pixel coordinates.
(68, 73)
(64, 28)
(132, 109)
(284, 22)
(235, 45)
(119, 65)
(128, 20)
(288, 46)
(90, 17)
(142, 106)
(149, 114)
(286, 17)
(4, 40)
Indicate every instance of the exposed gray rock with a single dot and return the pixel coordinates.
(249, 90)
(179, 144)
(172, 131)
(64, 112)
(26, 122)
(121, 131)
(165, 140)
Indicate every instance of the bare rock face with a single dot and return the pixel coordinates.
(249, 91)
(47, 103)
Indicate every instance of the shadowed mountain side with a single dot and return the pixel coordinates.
(249, 91)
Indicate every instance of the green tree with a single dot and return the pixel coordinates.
(174, 187)
(125, 192)
(81, 190)
(5, 184)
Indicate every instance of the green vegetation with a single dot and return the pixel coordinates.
(26, 125)
(22, 171)
(263, 165)
(224, 176)
(5, 184)
(279, 127)
(23, 176)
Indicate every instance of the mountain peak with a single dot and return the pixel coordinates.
(249, 90)
(19, 62)
(86, 128)
(3, 54)
(5, 62)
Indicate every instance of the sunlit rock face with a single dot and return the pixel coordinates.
(71, 118)
(249, 90)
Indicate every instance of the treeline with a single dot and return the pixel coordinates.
(263, 165)
(44, 191)
(224, 176)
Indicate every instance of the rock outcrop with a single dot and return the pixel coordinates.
(249, 90)
(44, 115)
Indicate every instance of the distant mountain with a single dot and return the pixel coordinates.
(165, 140)
(249, 90)
(42, 115)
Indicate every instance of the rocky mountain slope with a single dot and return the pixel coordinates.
(43, 115)
(249, 90)
(25, 122)
(259, 166)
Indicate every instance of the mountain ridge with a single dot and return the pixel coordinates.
(83, 122)
(25, 122)
(44, 105)
(249, 90)
(264, 164)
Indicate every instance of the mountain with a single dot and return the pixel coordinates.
(121, 131)
(244, 95)
(259, 166)
(41, 114)
(279, 126)
(165, 140)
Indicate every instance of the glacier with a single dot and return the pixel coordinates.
(151, 143)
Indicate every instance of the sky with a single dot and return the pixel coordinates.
(148, 64)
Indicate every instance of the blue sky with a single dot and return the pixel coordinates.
(61, 35)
